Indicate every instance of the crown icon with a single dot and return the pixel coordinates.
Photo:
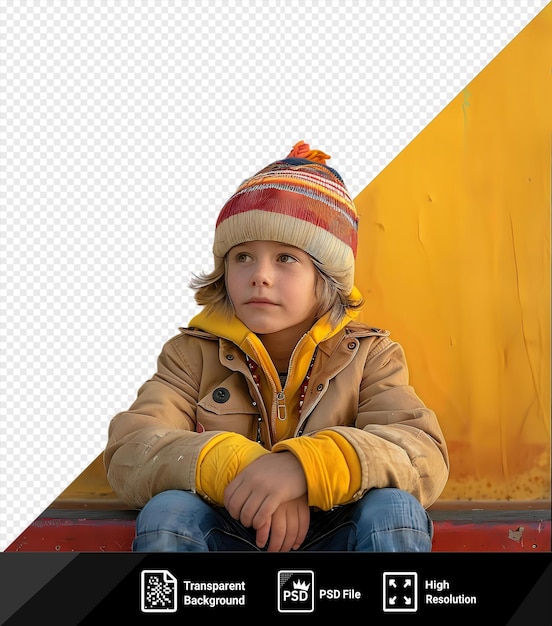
(301, 585)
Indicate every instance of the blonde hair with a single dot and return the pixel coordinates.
(330, 290)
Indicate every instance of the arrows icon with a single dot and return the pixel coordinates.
(400, 592)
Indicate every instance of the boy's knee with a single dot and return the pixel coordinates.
(392, 520)
(394, 508)
(162, 510)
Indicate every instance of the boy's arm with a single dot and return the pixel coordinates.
(396, 442)
(154, 446)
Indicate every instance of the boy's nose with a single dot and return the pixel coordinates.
(261, 274)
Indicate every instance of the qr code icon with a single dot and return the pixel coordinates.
(158, 591)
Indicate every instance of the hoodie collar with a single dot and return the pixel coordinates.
(234, 330)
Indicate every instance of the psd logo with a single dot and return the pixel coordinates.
(295, 591)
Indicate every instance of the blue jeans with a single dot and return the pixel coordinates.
(384, 520)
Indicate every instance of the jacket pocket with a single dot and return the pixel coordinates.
(228, 407)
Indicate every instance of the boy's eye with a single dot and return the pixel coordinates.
(242, 256)
(287, 258)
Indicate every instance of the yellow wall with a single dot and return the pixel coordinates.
(454, 259)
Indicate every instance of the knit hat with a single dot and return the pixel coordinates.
(299, 201)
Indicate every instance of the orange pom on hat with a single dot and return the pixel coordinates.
(301, 150)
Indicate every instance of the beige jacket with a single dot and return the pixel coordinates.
(358, 388)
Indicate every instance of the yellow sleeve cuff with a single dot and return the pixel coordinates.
(331, 466)
(221, 460)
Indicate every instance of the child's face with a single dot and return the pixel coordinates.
(272, 287)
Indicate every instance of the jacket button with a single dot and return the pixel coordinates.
(229, 357)
(351, 345)
(320, 387)
(221, 395)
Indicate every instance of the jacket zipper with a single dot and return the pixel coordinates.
(281, 408)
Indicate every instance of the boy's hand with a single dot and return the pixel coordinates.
(262, 487)
(287, 528)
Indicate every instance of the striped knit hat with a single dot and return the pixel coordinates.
(300, 201)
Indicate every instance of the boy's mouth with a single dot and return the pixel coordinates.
(259, 301)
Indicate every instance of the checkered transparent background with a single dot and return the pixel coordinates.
(126, 125)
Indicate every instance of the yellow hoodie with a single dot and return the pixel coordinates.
(330, 463)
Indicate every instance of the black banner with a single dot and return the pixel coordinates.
(85, 588)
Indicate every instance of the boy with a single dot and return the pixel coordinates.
(275, 421)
